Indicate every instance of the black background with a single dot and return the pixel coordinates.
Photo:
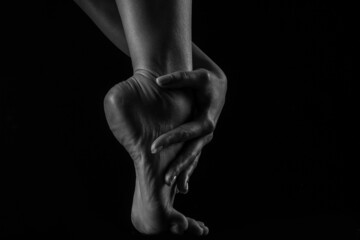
(283, 162)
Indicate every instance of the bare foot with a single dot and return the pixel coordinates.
(138, 111)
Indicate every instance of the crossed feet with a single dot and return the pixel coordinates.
(138, 111)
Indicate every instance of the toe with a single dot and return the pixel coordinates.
(176, 229)
(201, 223)
(179, 223)
(194, 227)
(206, 230)
(204, 227)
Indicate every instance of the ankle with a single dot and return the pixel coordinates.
(147, 72)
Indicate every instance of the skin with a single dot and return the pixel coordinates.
(105, 15)
(138, 111)
(164, 118)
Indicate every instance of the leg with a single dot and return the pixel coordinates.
(105, 15)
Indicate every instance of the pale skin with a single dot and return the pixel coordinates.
(163, 122)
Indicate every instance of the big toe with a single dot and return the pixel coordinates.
(179, 223)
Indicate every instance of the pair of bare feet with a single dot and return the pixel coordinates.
(138, 111)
